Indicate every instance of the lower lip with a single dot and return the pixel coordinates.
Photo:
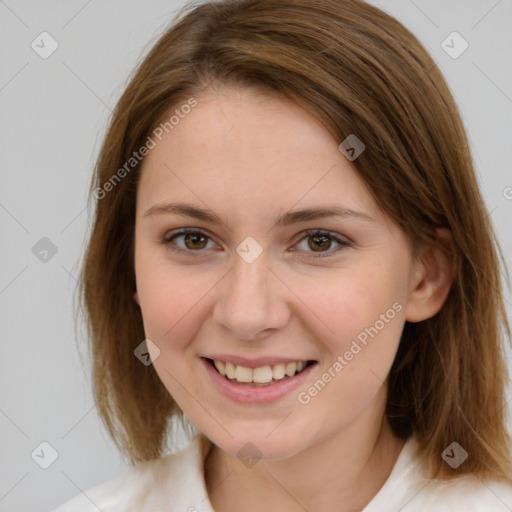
(247, 394)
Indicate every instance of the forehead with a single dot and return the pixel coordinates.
(252, 151)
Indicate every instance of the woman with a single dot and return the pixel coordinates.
(290, 250)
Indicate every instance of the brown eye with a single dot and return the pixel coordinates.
(188, 241)
(194, 241)
(320, 242)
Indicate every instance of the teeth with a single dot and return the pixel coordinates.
(230, 370)
(221, 367)
(261, 375)
(243, 374)
(278, 371)
(290, 369)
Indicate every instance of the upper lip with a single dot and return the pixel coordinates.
(255, 362)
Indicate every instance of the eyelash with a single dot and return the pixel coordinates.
(168, 241)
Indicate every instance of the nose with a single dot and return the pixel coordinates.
(251, 301)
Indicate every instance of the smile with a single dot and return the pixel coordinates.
(263, 375)
(256, 381)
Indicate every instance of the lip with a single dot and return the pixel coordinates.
(245, 394)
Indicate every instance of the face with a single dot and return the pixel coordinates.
(302, 311)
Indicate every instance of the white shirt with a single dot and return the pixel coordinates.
(175, 482)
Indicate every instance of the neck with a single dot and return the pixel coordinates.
(313, 479)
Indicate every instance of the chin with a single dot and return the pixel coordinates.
(259, 443)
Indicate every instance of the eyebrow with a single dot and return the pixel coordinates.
(288, 218)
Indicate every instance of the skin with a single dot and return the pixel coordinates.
(250, 158)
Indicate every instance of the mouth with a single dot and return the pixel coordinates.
(261, 376)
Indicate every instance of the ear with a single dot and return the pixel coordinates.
(136, 298)
(432, 279)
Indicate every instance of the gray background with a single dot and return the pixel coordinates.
(53, 116)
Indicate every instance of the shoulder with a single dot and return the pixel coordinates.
(176, 478)
(407, 489)
(469, 493)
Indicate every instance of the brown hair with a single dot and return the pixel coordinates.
(359, 71)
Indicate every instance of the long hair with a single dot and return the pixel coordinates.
(358, 71)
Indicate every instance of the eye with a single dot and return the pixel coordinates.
(314, 241)
(193, 240)
(320, 242)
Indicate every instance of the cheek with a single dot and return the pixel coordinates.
(353, 304)
(172, 300)
(365, 318)
(165, 306)
(172, 303)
